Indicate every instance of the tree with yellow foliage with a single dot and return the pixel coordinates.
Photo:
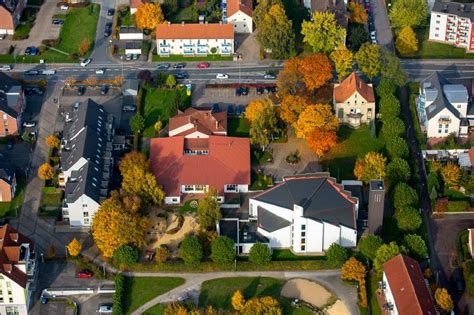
(263, 122)
(262, 306)
(238, 300)
(74, 247)
(148, 16)
(70, 81)
(355, 270)
(45, 171)
(357, 13)
(315, 116)
(444, 300)
(371, 166)
(291, 107)
(451, 173)
(52, 142)
(406, 42)
(342, 58)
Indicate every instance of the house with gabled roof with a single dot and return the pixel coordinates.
(12, 104)
(18, 269)
(405, 289)
(354, 101)
(239, 13)
(7, 180)
(442, 107)
(194, 123)
(10, 13)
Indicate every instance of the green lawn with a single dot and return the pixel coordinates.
(186, 207)
(286, 254)
(22, 31)
(171, 58)
(184, 15)
(238, 127)
(12, 208)
(139, 290)
(52, 199)
(352, 144)
(372, 285)
(437, 50)
(158, 309)
(160, 103)
(126, 19)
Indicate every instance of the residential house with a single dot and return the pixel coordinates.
(354, 101)
(7, 180)
(134, 4)
(131, 33)
(12, 104)
(442, 107)
(471, 242)
(187, 167)
(453, 23)
(86, 161)
(239, 13)
(17, 271)
(405, 289)
(194, 39)
(10, 13)
(338, 7)
(194, 123)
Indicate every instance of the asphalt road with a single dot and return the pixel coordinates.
(100, 54)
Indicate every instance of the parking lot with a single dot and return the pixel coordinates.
(205, 97)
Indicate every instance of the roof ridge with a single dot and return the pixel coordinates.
(315, 191)
(405, 263)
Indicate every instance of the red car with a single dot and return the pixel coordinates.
(85, 274)
(203, 65)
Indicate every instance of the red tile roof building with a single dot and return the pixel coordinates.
(239, 13)
(406, 290)
(10, 13)
(134, 4)
(193, 123)
(190, 166)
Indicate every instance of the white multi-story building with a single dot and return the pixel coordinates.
(239, 13)
(442, 107)
(86, 162)
(194, 39)
(18, 271)
(453, 23)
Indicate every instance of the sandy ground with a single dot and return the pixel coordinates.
(338, 308)
(307, 291)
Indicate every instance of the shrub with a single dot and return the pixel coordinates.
(190, 250)
(457, 206)
(416, 245)
(125, 255)
(163, 254)
(397, 147)
(336, 255)
(398, 170)
(385, 87)
(393, 127)
(117, 307)
(368, 246)
(389, 107)
(408, 219)
(260, 254)
(404, 195)
(223, 250)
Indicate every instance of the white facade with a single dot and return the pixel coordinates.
(80, 212)
(389, 296)
(443, 124)
(242, 22)
(194, 47)
(130, 36)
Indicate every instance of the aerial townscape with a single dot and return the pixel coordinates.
(253, 157)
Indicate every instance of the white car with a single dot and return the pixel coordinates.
(29, 124)
(105, 309)
(222, 76)
(269, 76)
(99, 71)
(85, 62)
(64, 7)
(5, 68)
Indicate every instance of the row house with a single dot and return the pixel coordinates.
(12, 105)
(7, 180)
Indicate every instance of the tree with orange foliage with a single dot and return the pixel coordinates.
(451, 173)
(313, 117)
(355, 270)
(290, 79)
(118, 80)
(321, 141)
(149, 15)
(84, 47)
(357, 13)
(45, 171)
(52, 142)
(316, 70)
(291, 107)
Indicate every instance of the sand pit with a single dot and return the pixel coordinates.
(338, 308)
(306, 290)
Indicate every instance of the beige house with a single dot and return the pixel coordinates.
(354, 101)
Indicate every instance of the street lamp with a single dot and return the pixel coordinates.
(42, 258)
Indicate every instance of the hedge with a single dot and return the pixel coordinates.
(117, 307)
(457, 206)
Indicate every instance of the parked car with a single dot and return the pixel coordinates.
(104, 89)
(222, 76)
(32, 72)
(105, 309)
(29, 124)
(99, 71)
(129, 108)
(163, 66)
(107, 33)
(85, 274)
(34, 51)
(27, 51)
(260, 90)
(6, 68)
(230, 110)
(203, 65)
(128, 57)
(10, 145)
(181, 75)
(245, 91)
(269, 76)
(238, 110)
(135, 56)
(180, 65)
(81, 90)
(238, 91)
(44, 300)
(85, 62)
(110, 12)
(64, 7)
(58, 22)
(216, 108)
(37, 91)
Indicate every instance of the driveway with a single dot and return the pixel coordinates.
(205, 97)
(382, 24)
(100, 55)
(248, 46)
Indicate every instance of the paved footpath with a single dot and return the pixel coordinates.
(328, 278)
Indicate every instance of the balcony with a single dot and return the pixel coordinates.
(226, 44)
(188, 52)
(164, 45)
(164, 52)
(202, 45)
(202, 51)
(188, 45)
(444, 120)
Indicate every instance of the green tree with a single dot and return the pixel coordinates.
(398, 170)
(357, 36)
(137, 123)
(262, 8)
(323, 33)
(336, 255)
(384, 254)
(406, 42)
(125, 255)
(223, 250)
(171, 81)
(209, 210)
(433, 181)
(393, 127)
(368, 59)
(392, 68)
(386, 87)
(416, 245)
(397, 147)
(260, 254)
(369, 245)
(411, 13)
(275, 33)
(404, 196)
(190, 250)
(371, 166)
(389, 107)
(342, 58)
(408, 219)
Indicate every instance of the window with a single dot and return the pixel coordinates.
(303, 234)
(174, 199)
(303, 241)
(436, 35)
(10, 300)
(459, 106)
(188, 188)
(437, 15)
(86, 221)
(232, 187)
(440, 126)
(437, 22)
(303, 248)
(12, 310)
(86, 214)
(303, 227)
(439, 130)
(437, 28)
(445, 130)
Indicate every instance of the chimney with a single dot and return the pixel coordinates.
(217, 124)
(376, 206)
(182, 23)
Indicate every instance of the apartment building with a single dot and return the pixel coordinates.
(194, 39)
(453, 23)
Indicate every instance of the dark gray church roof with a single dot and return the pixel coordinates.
(8, 100)
(321, 198)
(270, 222)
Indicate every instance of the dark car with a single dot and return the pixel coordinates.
(58, 22)
(216, 108)
(260, 90)
(181, 75)
(230, 110)
(37, 91)
(245, 91)
(180, 65)
(110, 12)
(104, 89)
(28, 51)
(81, 90)
(107, 32)
(163, 66)
(85, 274)
(238, 110)
(34, 51)
(32, 72)
(238, 91)
(44, 300)
(10, 145)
